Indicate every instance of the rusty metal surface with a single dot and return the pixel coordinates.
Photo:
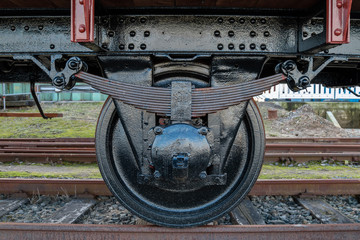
(338, 21)
(82, 20)
(262, 187)
(12, 231)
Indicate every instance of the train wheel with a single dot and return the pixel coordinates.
(179, 208)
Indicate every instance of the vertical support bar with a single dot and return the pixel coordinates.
(338, 21)
(82, 20)
(4, 96)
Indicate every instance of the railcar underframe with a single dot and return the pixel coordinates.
(179, 141)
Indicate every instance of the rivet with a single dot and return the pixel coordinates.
(313, 34)
(266, 34)
(104, 46)
(242, 20)
(104, 20)
(131, 46)
(338, 32)
(217, 33)
(220, 20)
(121, 20)
(220, 46)
(253, 20)
(82, 28)
(326, 51)
(143, 20)
(143, 46)
(132, 33)
(132, 19)
(51, 21)
(263, 20)
(252, 34)
(158, 130)
(242, 46)
(305, 34)
(262, 46)
(52, 46)
(81, 2)
(252, 46)
(111, 34)
(40, 27)
(26, 28)
(313, 22)
(231, 33)
(339, 4)
(231, 20)
(13, 28)
(146, 33)
(231, 46)
(121, 46)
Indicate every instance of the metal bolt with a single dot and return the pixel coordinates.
(132, 33)
(52, 46)
(242, 46)
(158, 130)
(220, 20)
(266, 34)
(313, 22)
(242, 20)
(231, 20)
(304, 82)
(157, 174)
(326, 51)
(252, 34)
(121, 20)
(231, 46)
(339, 4)
(217, 33)
(290, 66)
(132, 19)
(338, 31)
(231, 33)
(111, 33)
(82, 28)
(40, 27)
(217, 180)
(203, 175)
(26, 28)
(305, 34)
(58, 81)
(73, 65)
(104, 46)
(143, 20)
(51, 21)
(262, 46)
(220, 46)
(252, 46)
(143, 46)
(121, 46)
(146, 34)
(203, 131)
(253, 20)
(131, 46)
(13, 28)
(81, 2)
(263, 20)
(104, 20)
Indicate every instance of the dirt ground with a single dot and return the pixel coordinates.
(302, 122)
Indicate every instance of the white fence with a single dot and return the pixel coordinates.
(315, 91)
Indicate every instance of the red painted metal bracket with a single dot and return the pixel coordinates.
(82, 20)
(338, 21)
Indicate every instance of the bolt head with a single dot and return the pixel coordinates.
(82, 28)
(338, 32)
(339, 4)
(158, 130)
(203, 131)
(203, 175)
(157, 174)
(81, 2)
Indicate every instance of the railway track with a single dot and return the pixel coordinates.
(83, 149)
(83, 200)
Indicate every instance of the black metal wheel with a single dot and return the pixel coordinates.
(179, 208)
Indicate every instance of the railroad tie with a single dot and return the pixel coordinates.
(246, 214)
(71, 211)
(323, 211)
(9, 205)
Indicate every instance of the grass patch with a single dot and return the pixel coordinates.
(18, 174)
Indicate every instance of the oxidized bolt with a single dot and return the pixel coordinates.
(252, 46)
(111, 33)
(143, 20)
(82, 28)
(132, 33)
(242, 46)
(242, 20)
(203, 175)
(131, 46)
(13, 28)
(231, 46)
(220, 20)
(262, 46)
(252, 34)
(158, 130)
(81, 2)
(220, 46)
(231, 20)
(40, 27)
(253, 20)
(143, 46)
(217, 33)
(157, 174)
(231, 33)
(121, 46)
(338, 31)
(146, 33)
(26, 28)
(52, 46)
(266, 34)
(203, 130)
